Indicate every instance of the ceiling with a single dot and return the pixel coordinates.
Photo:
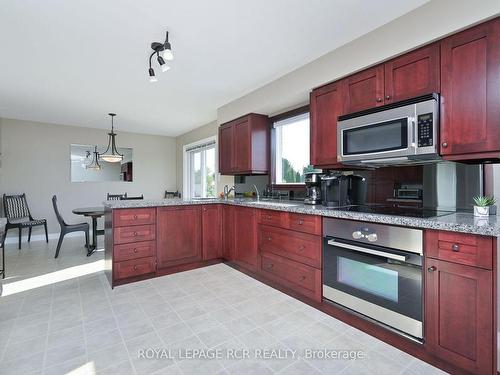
(72, 62)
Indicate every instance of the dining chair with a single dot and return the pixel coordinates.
(115, 197)
(172, 194)
(18, 216)
(68, 228)
(132, 198)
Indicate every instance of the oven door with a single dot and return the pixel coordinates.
(381, 135)
(383, 284)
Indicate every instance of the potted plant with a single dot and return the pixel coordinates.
(482, 205)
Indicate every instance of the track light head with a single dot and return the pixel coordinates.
(152, 77)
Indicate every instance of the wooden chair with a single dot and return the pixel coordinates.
(18, 216)
(172, 194)
(68, 228)
(115, 197)
(125, 198)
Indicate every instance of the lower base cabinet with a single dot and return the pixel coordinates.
(245, 238)
(228, 232)
(459, 315)
(179, 235)
(211, 218)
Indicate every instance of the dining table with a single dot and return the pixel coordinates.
(94, 213)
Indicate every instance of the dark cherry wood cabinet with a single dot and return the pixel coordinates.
(413, 74)
(212, 231)
(459, 315)
(326, 105)
(470, 93)
(179, 235)
(245, 237)
(364, 90)
(228, 232)
(244, 145)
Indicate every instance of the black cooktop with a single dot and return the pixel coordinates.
(395, 210)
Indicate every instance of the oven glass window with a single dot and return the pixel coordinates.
(369, 278)
(385, 136)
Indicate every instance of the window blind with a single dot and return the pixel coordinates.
(201, 146)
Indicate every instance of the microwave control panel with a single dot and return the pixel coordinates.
(425, 130)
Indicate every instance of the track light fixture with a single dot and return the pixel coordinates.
(157, 47)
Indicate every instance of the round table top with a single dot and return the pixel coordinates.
(89, 211)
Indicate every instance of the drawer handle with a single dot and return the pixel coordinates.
(270, 266)
(301, 248)
(135, 250)
(302, 278)
(135, 217)
(135, 234)
(135, 268)
(301, 222)
(455, 247)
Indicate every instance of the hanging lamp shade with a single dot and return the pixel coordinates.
(94, 164)
(111, 155)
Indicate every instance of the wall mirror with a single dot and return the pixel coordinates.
(85, 169)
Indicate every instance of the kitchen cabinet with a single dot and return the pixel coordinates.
(411, 75)
(470, 93)
(245, 237)
(326, 105)
(228, 232)
(364, 90)
(212, 231)
(179, 235)
(244, 145)
(459, 315)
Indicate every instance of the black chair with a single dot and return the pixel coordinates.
(125, 198)
(2, 245)
(68, 228)
(172, 194)
(18, 216)
(116, 197)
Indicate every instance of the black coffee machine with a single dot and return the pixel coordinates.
(342, 190)
(313, 188)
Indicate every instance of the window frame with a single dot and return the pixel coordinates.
(186, 165)
(283, 116)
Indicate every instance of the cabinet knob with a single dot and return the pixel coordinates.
(301, 248)
(444, 144)
(270, 266)
(135, 217)
(135, 234)
(135, 250)
(135, 268)
(269, 238)
(431, 269)
(387, 97)
(301, 222)
(302, 278)
(268, 217)
(379, 100)
(455, 247)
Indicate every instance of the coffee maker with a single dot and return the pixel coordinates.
(342, 190)
(313, 188)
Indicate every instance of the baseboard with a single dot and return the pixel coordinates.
(14, 239)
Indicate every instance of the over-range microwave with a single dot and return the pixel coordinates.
(395, 134)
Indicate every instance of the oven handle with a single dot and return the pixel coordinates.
(401, 258)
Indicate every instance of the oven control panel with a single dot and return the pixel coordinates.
(425, 128)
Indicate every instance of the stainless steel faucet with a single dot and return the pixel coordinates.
(257, 192)
(228, 190)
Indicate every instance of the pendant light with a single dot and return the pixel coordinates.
(94, 164)
(111, 155)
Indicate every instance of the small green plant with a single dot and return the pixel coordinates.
(484, 201)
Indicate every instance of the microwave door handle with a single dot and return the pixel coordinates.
(384, 254)
(413, 130)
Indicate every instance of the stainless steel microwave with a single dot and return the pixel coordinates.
(396, 134)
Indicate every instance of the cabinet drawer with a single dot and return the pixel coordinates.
(134, 250)
(134, 267)
(133, 216)
(134, 234)
(275, 218)
(305, 223)
(296, 276)
(301, 247)
(468, 249)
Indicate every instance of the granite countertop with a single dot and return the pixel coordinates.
(454, 222)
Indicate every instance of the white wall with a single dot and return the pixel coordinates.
(36, 160)
(429, 22)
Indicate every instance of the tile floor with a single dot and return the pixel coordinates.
(61, 317)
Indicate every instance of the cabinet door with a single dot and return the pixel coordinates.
(459, 315)
(242, 146)
(326, 105)
(226, 155)
(179, 235)
(245, 235)
(212, 231)
(412, 74)
(364, 90)
(228, 232)
(470, 89)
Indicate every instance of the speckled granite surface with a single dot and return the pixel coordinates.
(457, 222)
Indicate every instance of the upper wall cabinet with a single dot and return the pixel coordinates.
(244, 145)
(413, 74)
(470, 93)
(325, 106)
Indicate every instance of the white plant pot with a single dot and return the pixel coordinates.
(481, 211)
